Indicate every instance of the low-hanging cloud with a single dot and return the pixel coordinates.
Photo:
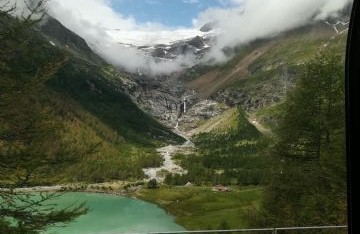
(238, 22)
(92, 20)
(248, 20)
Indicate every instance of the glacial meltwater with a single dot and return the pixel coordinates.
(112, 214)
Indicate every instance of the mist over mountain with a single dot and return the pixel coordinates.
(117, 37)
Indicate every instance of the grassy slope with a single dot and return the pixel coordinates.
(268, 116)
(230, 127)
(302, 51)
(218, 123)
(289, 52)
(198, 208)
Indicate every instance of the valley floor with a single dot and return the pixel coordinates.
(201, 208)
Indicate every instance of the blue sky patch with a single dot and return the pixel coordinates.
(171, 13)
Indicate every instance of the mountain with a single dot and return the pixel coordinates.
(196, 46)
(120, 111)
(108, 135)
(194, 43)
(257, 76)
(262, 72)
(86, 79)
(61, 37)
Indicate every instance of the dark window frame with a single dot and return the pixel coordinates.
(352, 104)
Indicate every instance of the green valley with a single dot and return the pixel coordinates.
(256, 139)
(200, 208)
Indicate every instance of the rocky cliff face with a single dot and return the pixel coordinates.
(200, 112)
(163, 97)
(167, 99)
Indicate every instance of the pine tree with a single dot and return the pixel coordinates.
(29, 143)
(152, 184)
(308, 185)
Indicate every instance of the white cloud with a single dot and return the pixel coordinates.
(97, 13)
(252, 19)
(191, 1)
(239, 21)
(103, 29)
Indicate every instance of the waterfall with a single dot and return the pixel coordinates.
(184, 105)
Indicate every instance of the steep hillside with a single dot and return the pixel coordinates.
(60, 36)
(85, 79)
(262, 72)
(106, 135)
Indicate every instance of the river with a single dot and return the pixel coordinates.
(112, 214)
(169, 165)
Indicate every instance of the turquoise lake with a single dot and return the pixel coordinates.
(111, 214)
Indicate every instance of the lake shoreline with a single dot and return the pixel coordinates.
(79, 188)
(133, 194)
(178, 201)
(110, 213)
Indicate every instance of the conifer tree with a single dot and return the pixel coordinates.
(29, 143)
(308, 180)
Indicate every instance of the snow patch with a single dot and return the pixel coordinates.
(335, 26)
(141, 38)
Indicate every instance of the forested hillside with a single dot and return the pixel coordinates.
(58, 101)
(307, 184)
(228, 154)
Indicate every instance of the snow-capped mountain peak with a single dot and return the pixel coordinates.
(148, 38)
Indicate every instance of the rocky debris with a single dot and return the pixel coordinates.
(163, 98)
(249, 101)
(160, 97)
(265, 93)
(163, 102)
(199, 112)
(188, 184)
(169, 165)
